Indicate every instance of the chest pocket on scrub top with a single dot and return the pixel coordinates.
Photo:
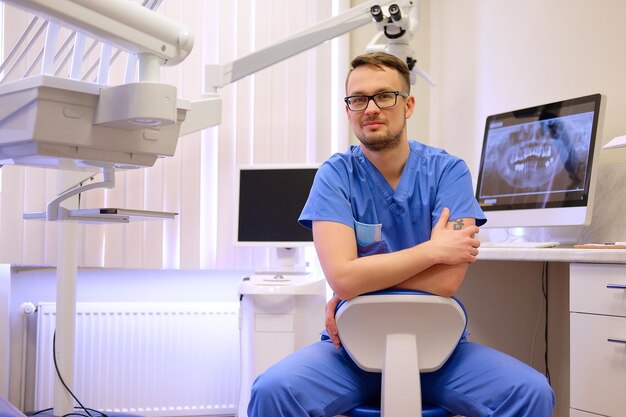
(369, 239)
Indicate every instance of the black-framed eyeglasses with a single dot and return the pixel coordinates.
(383, 100)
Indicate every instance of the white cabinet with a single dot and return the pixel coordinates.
(598, 340)
(279, 314)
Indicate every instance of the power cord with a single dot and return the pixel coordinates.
(544, 290)
(542, 307)
(80, 184)
(68, 414)
(56, 367)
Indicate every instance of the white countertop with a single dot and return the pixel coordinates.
(556, 254)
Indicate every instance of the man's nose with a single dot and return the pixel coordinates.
(372, 107)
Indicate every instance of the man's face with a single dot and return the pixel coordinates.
(376, 128)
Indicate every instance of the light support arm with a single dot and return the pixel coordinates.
(125, 24)
(217, 76)
(54, 211)
(207, 112)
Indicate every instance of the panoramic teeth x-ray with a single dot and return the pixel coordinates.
(533, 155)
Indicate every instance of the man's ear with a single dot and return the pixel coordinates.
(409, 106)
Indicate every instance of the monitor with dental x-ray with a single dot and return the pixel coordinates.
(537, 164)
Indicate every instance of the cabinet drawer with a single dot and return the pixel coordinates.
(598, 288)
(598, 366)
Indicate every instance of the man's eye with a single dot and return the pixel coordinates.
(358, 100)
(385, 96)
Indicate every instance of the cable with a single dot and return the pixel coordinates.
(68, 414)
(536, 331)
(97, 411)
(544, 289)
(56, 367)
(80, 184)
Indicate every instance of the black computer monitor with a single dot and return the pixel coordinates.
(271, 198)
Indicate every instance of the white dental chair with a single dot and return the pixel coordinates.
(400, 333)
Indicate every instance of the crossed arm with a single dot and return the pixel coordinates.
(437, 266)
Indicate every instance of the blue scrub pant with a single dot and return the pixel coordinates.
(476, 381)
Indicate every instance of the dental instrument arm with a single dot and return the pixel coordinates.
(396, 22)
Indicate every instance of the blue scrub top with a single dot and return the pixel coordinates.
(348, 189)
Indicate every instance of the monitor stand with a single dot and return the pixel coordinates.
(289, 261)
(564, 235)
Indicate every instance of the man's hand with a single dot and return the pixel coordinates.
(456, 245)
(330, 323)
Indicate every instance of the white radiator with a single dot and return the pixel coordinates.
(152, 359)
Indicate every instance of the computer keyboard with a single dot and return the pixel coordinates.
(519, 244)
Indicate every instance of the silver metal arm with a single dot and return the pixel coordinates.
(220, 75)
(123, 23)
(397, 27)
(54, 211)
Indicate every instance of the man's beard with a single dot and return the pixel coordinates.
(380, 144)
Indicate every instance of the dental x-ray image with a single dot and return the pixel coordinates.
(537, 157)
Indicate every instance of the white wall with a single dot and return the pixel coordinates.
(491, 56)
(5, 297)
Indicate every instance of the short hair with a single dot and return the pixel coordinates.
(379, 60)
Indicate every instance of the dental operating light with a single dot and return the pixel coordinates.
(66, 123)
